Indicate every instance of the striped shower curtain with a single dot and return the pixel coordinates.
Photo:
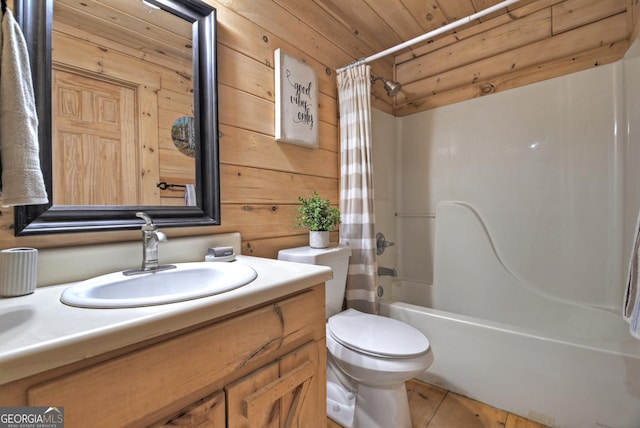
(356, 187)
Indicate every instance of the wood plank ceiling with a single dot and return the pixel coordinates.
(530, 41)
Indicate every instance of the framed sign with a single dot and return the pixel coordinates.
(296, 101)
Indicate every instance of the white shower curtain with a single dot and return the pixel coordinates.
(356, 187)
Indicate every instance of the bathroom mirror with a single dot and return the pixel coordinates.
(36, 19)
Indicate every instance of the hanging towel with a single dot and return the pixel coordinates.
(21, 182)
(190, 199)
(631, 304)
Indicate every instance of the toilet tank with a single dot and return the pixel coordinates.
(337, 258)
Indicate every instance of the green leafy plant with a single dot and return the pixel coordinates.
(317, 214)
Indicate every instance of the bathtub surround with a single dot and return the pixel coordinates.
(523, 307)
(497, 339)
(21, 182)
(357, 228)
(551, 168)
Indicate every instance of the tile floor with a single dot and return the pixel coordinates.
(434, 407)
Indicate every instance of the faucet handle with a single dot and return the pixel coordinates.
(382, 243)
(145, 217)
(148, 222)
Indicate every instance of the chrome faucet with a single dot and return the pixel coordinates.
(151, 236)
(387, 271)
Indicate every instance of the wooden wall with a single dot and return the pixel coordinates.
(261, 179)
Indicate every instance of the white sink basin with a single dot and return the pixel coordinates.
(187, 281)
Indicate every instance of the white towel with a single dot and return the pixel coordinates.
(631, 303)
(21, 182)
(190, 199)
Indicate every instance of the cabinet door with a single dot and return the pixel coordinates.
(268, 415)
(306, 408)
(206, 413)
(288, 393)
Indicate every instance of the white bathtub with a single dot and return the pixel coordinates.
(498, 340)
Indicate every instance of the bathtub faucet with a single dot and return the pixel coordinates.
(387, 271)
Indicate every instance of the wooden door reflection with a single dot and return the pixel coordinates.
(96, 160)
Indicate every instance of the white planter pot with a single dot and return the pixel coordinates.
(319, 239)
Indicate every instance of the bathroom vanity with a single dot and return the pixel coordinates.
(254, 356)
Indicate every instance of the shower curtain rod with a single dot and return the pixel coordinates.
(430, 34)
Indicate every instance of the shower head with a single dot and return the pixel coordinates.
(390, 86)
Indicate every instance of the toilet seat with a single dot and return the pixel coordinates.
(376, 335)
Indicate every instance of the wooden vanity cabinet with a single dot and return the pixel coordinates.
(263, 368)
(284, 393)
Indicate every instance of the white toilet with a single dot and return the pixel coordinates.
(369, 356)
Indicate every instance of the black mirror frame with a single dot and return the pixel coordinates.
(35, 18)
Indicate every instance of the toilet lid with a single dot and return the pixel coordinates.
(377, 335)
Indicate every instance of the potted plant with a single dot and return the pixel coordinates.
(317, 214)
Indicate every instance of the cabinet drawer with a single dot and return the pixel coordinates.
(145, 385)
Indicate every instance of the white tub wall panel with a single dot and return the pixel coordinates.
(537, 163)
(414, 171)
(547, 380)
(417, 293)
(616, 266)
(412, 255)
(415, 247)
(631, 132)
(471, 280)
(384, 147)
(414, 226)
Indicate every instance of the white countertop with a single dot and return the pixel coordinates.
(38, 332)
